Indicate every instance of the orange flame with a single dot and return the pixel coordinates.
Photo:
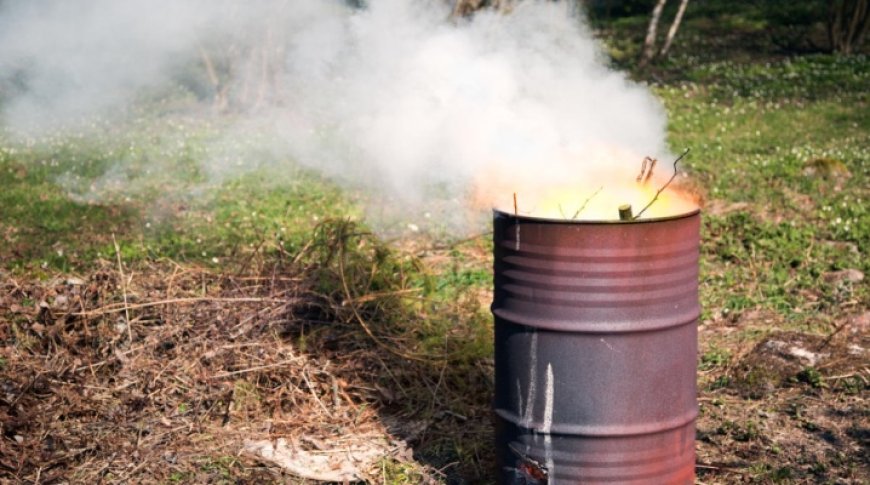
(596, 197)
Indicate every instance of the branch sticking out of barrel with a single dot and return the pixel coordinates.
(586, 202)
(662, 189)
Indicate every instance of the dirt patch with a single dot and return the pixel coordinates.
(170, 385)
(777, 360)
(791, 409)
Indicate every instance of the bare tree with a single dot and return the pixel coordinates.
(675, 25)
(650, 41)
(848, 21)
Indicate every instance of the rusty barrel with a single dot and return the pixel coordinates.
(596, 349)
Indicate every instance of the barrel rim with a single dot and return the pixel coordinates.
(498, 213)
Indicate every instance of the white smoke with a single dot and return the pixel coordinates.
(394, 96)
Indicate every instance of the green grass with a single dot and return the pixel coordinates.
(798, 164)
(149, 183)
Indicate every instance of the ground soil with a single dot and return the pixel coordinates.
(163, 372)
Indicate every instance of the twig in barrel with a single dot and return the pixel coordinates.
(663, 187)
(646, 170)
(516, 212)
(586, 202)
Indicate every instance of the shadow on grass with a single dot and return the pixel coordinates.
(430, 348)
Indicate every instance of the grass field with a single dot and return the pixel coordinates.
(395, 336)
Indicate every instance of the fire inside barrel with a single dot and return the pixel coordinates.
(595, 349)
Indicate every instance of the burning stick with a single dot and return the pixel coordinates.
(646, 171)
(663, 187)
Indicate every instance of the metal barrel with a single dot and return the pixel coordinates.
(596, 349)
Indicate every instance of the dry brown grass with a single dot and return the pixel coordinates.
(158, 372)
(206, 361)
(305, 351)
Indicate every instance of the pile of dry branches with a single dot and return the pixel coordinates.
(159, 371)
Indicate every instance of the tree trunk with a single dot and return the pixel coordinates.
(847, 24)
(650, 41)
(857, 26)
(220, 91)
(675, 25)
(862, 31)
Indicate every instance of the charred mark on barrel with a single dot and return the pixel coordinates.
(529, 468)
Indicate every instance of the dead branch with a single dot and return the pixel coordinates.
(255, 369)
(663, 187)
(115, 307)
(127, 321)
(586, 202)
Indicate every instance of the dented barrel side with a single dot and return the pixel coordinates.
(595, 349)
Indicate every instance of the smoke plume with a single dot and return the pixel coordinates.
(392, 96)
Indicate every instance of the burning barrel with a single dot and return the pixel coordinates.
(595, 349)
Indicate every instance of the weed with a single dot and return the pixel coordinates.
(852, 385)
(220, 468)
(811, 376)
(400, 472)
(713, 358)
(178, 477)
(749, 431)
(246, 398)
(720, 383)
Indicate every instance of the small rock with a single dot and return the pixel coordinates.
(786, 350)
(826, 168)
(860, 324)
(856, 350)
(811, 358)
(19, 439)
(850, 275)
(842, 246)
